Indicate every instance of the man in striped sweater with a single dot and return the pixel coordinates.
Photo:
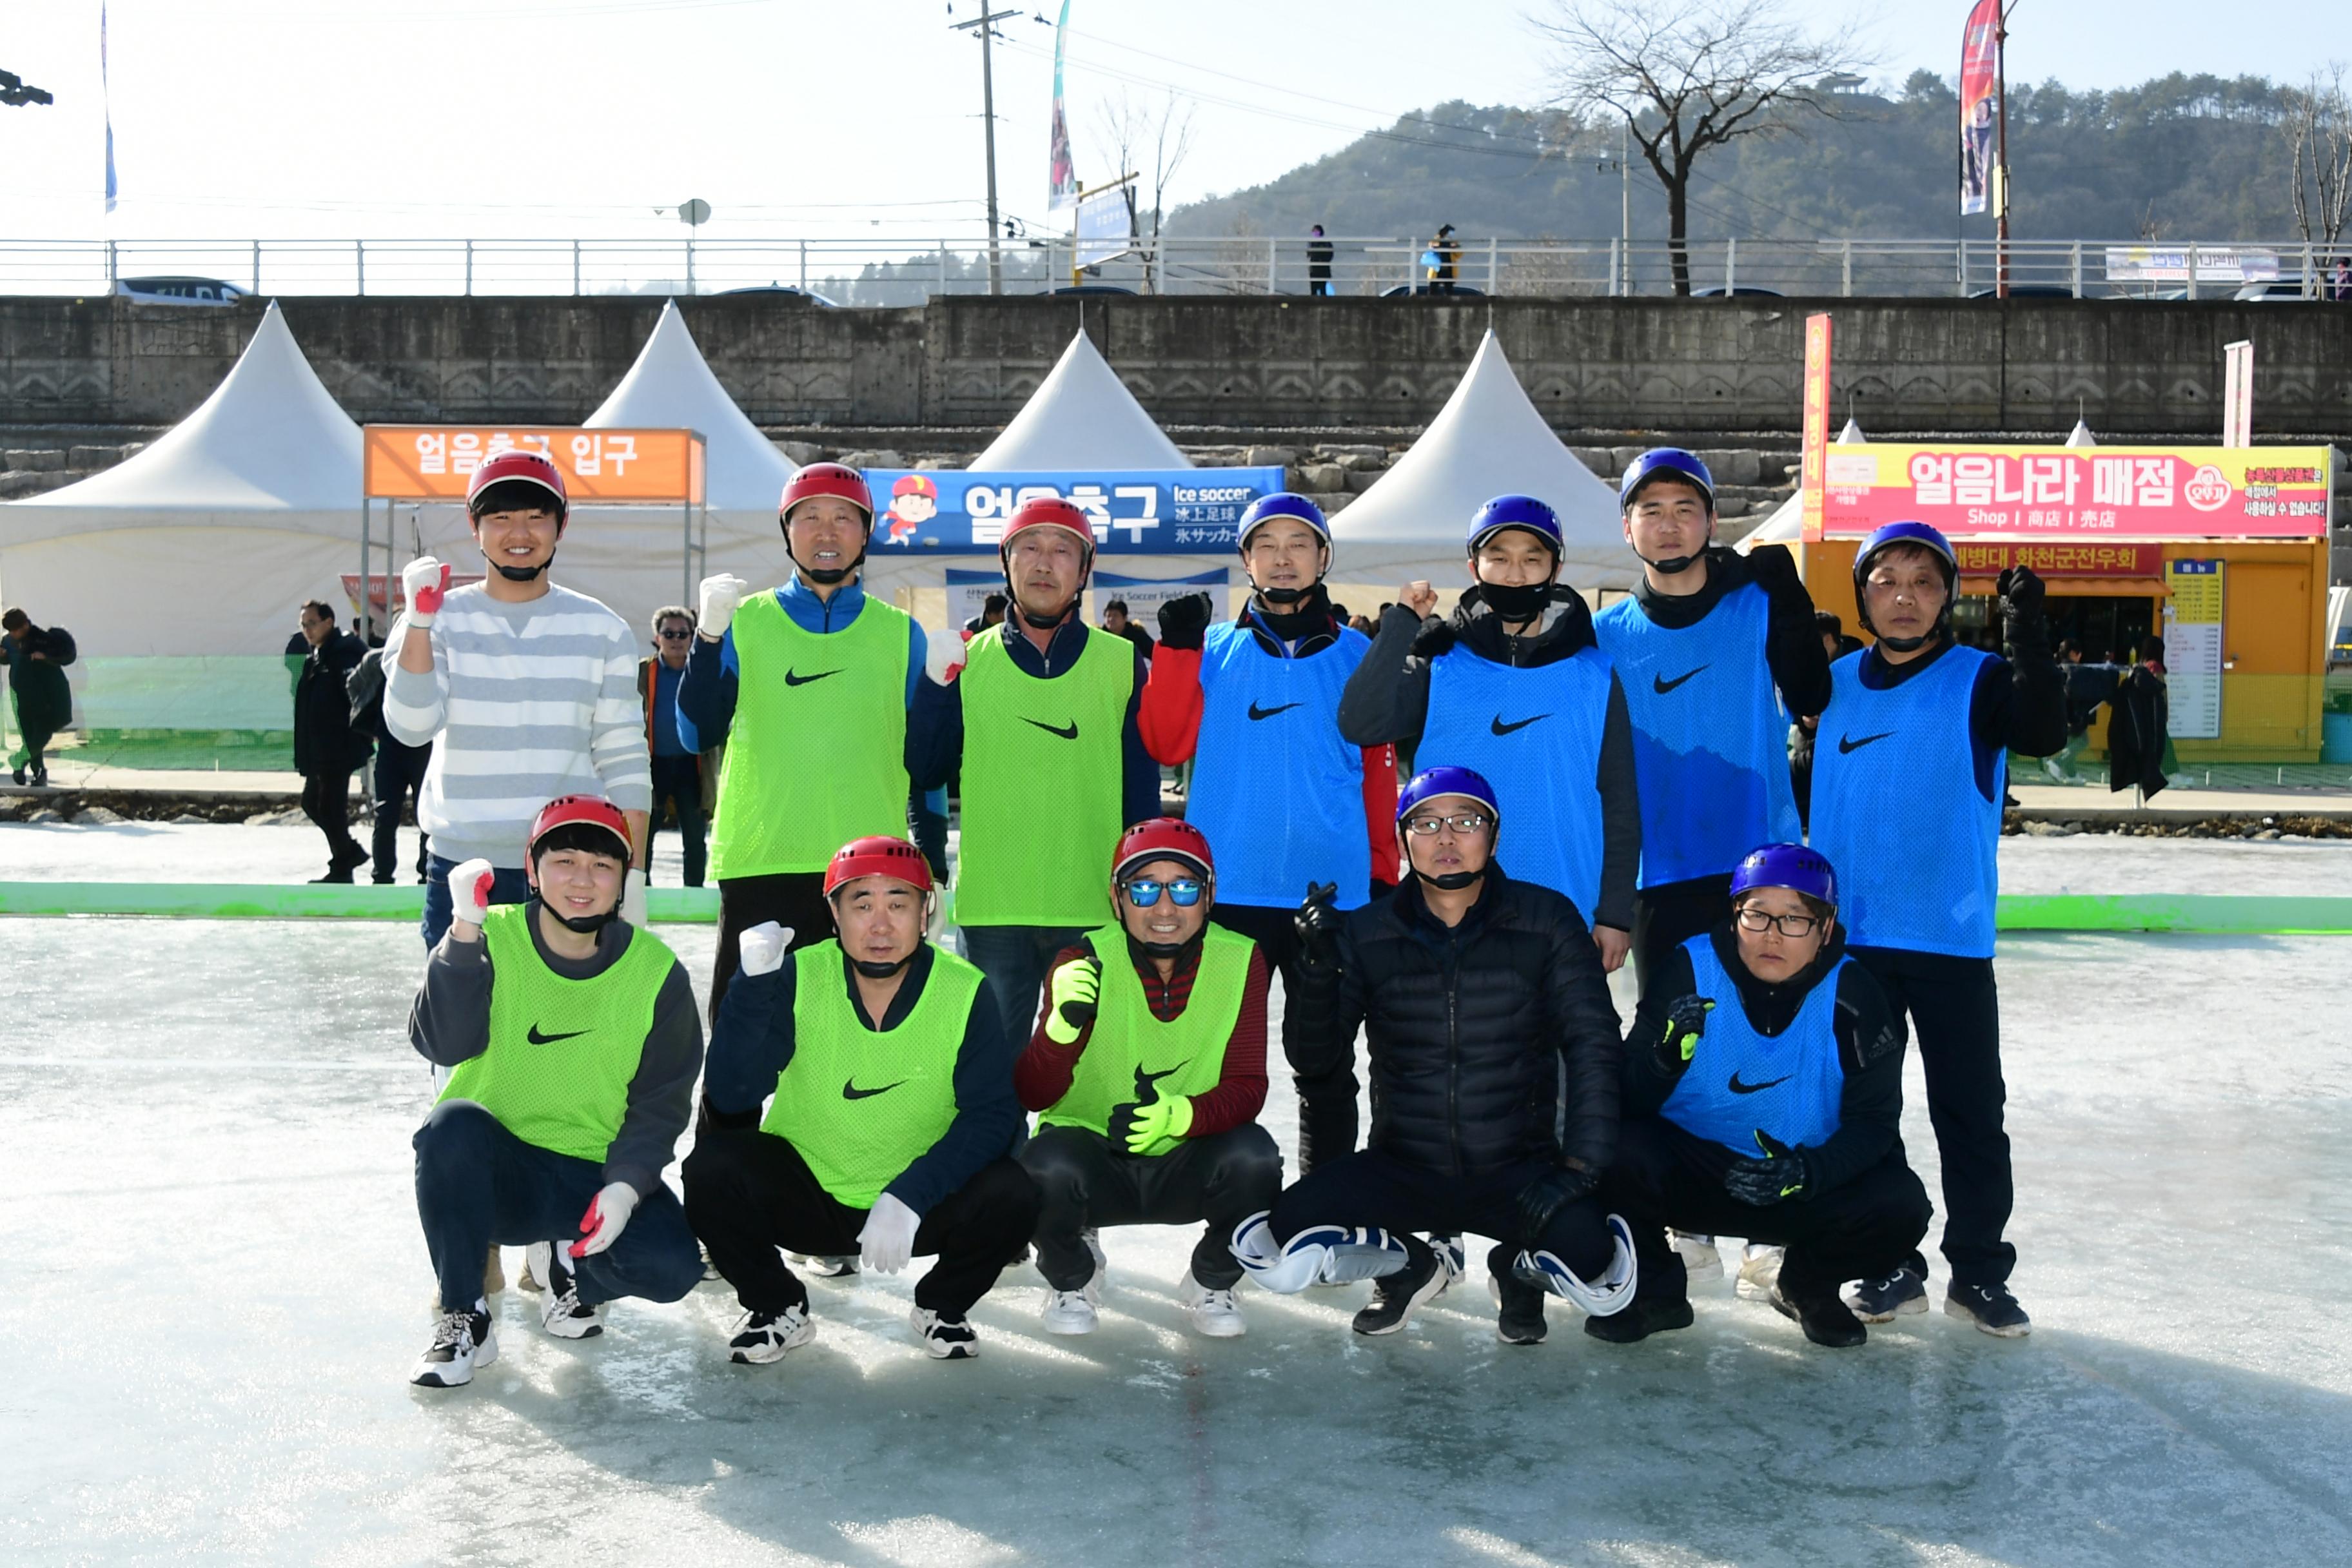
(525, 691)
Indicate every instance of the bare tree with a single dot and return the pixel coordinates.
(1140, 132)
(2318, 129)
(1688, 80)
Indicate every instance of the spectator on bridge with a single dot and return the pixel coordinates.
(1319, 263)
(1448, 251)
(37, 657)
(326, 748)
(684, 781)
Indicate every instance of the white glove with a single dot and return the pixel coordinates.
(720, 595)
(942, 656)
(942, 916)
(633, 897)
(761, 948)
(423, 582)
(887, 1242)
(608, 1215)
(469, 894)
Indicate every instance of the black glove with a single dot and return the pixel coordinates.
(2022, 593)
(1184, 621)
(1317, 924)
(1685, 1027)
(1782, 1174)
(1774, 570)
(1548, 1194)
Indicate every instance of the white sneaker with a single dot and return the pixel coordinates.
(944, 1338)
(1700, 1260)
(1069, 1311)
(760, 1339)
(1093, 1239)
(561, 1311)
(461, 1341)
(842, 1268)
(1214, 1313)
(1759, 1270)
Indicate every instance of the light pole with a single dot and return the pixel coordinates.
(982, 25)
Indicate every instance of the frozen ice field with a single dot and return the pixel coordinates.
(215, 1287)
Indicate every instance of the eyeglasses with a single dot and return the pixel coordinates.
(1790, 925)
(679, 635)
(1466, 823)
(1143, 893)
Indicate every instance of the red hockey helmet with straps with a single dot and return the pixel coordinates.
(1048, 512)
(518, 465)
(595, 811)
(827, 480)
(1163, 838)
(879, 855)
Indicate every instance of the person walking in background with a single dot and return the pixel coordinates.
(1118, 623)
(328, 749)
(684, 780)
(1448, 252)
(1319, 263)
(37, 657)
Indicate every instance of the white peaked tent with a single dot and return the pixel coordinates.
(1488, 440)
(205, 543)
(1081, 417)
(670, 387)
(1787, 523)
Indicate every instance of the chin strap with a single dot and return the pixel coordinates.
(880, 971)
(525, 574)
(1453, 881)
(584, 925)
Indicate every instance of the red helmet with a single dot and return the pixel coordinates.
(827, 480)
(1048, 512)
(521, 464)
(1164, 838)
(593, 810)
(880, 855)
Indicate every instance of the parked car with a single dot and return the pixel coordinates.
(1744, 292)
(1089, 289)
(1401, 290)
(2026, 292)
(2278, 288)
(180, 291)
(785, 290)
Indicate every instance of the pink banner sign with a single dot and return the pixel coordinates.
(2075, 492)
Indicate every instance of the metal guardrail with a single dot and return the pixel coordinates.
(908, 272)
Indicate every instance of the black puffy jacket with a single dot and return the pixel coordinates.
(1487, 1039)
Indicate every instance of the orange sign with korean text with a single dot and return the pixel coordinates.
(435, 462)
(1819, 337)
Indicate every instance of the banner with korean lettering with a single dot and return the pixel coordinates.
(435, 462)
(1172, 511)
(2080, 493)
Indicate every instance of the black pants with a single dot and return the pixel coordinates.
(1665, 1176)
(1014, 959)
(678, 783)
(1088, 1182)
(327, 802)
(479, 1185)
(1668, 915)
(794, 899)
(399, 776)
(1955, 1010)
(1372, 1186)
(1326, 1090)
(748, 1193)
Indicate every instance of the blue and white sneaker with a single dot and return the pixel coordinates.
(1880, 1300)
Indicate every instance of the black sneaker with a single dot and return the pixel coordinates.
(1642, 1319)
(561, 1310)
(1990, 1307)
(944, 1338)
(17, 774)
(765, 1337)
(1520, 1306)
(1878, 1301)
(1825, 1319)
(1395, 1296)
(461, 1341)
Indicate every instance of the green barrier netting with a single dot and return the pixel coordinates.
(2211, 913)
(236, 901)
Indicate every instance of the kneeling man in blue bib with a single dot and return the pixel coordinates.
(1763, 1099)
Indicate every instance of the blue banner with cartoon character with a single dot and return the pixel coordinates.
(1149, 511)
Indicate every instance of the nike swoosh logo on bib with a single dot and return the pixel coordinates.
(1067, 733)
(1503, 728)
(1661, 685)
(1257, 712)
(536, 1038)
(1739, 1088)
(792, 679)
(1146, 1083)
(1847, 743)
(849, 1090)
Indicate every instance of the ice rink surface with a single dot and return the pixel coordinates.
(216, 1287)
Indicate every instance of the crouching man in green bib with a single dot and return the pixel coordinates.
(573, 1045)
(1148, 1072)
(892, 1107)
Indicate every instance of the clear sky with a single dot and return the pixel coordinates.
(458, 118)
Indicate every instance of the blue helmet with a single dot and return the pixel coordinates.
(1791, 865)
(1282, 503)
(1517, 512)
(1918, 533)
(1664, 463)
(1430, 783)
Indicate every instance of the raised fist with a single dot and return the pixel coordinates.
(720, 595)
(1184, 621)
(424, 582)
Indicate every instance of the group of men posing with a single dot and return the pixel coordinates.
(1585, 789)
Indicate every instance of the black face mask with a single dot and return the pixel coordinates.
(584, 925)
(1523, 602)
(1673, 565)
(525, 574)
(880, 971)
(1453, 881)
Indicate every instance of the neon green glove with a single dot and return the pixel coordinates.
(1152, 1129)
(1072, 1008)
(1686, 1025)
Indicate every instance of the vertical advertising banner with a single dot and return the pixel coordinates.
(2238, 395)
(2193, 648)
(1819, 337)
(1980, 69)
(1061, 169)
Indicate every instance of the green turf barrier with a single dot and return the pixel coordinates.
(233, 900)
(2207, 913)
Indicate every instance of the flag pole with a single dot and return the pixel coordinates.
(2001, 155)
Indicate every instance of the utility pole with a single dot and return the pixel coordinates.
(2000, 156)
(1625, 203)
(982, 25)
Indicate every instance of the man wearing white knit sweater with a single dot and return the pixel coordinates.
(525, 691)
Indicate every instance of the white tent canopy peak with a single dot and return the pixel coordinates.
(1081, 417)
(671, 387)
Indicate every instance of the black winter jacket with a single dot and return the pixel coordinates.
(1486, 1038)
(324, 740)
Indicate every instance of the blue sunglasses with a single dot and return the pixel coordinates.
(1144, 894)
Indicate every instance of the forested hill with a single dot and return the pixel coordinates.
(2185, 157)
